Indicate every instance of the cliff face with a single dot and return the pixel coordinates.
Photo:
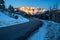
(31, 10)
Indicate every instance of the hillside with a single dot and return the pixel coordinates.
(7, 21)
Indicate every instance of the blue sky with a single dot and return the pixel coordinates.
(31, 3)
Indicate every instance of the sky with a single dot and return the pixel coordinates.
(31, 3)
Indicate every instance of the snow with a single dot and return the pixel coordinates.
(8, 21)
(41, 33)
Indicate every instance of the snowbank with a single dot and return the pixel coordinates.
(42, 32)
(7, 21)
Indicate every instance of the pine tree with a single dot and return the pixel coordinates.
(11, 10)
(2, 6)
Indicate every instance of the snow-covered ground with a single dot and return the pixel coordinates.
(7, 21)
(42, 32)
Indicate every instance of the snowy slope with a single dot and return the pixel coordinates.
(41, 33)
(7, 21)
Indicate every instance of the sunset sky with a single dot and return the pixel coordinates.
(31, 3)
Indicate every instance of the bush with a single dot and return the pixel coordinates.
(16, 17)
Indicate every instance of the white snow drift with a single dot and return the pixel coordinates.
(41, 33)
(7, 21)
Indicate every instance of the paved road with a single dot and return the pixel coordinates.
(19, 31)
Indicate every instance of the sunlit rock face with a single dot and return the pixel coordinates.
(31, 10)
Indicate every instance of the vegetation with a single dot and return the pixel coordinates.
(2, 6)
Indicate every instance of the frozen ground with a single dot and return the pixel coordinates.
(7, 21)
(44, 32)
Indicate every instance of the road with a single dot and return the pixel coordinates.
(19, 31)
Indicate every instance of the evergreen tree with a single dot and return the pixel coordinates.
(2, 6)
(11, 10)
(50, 8)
